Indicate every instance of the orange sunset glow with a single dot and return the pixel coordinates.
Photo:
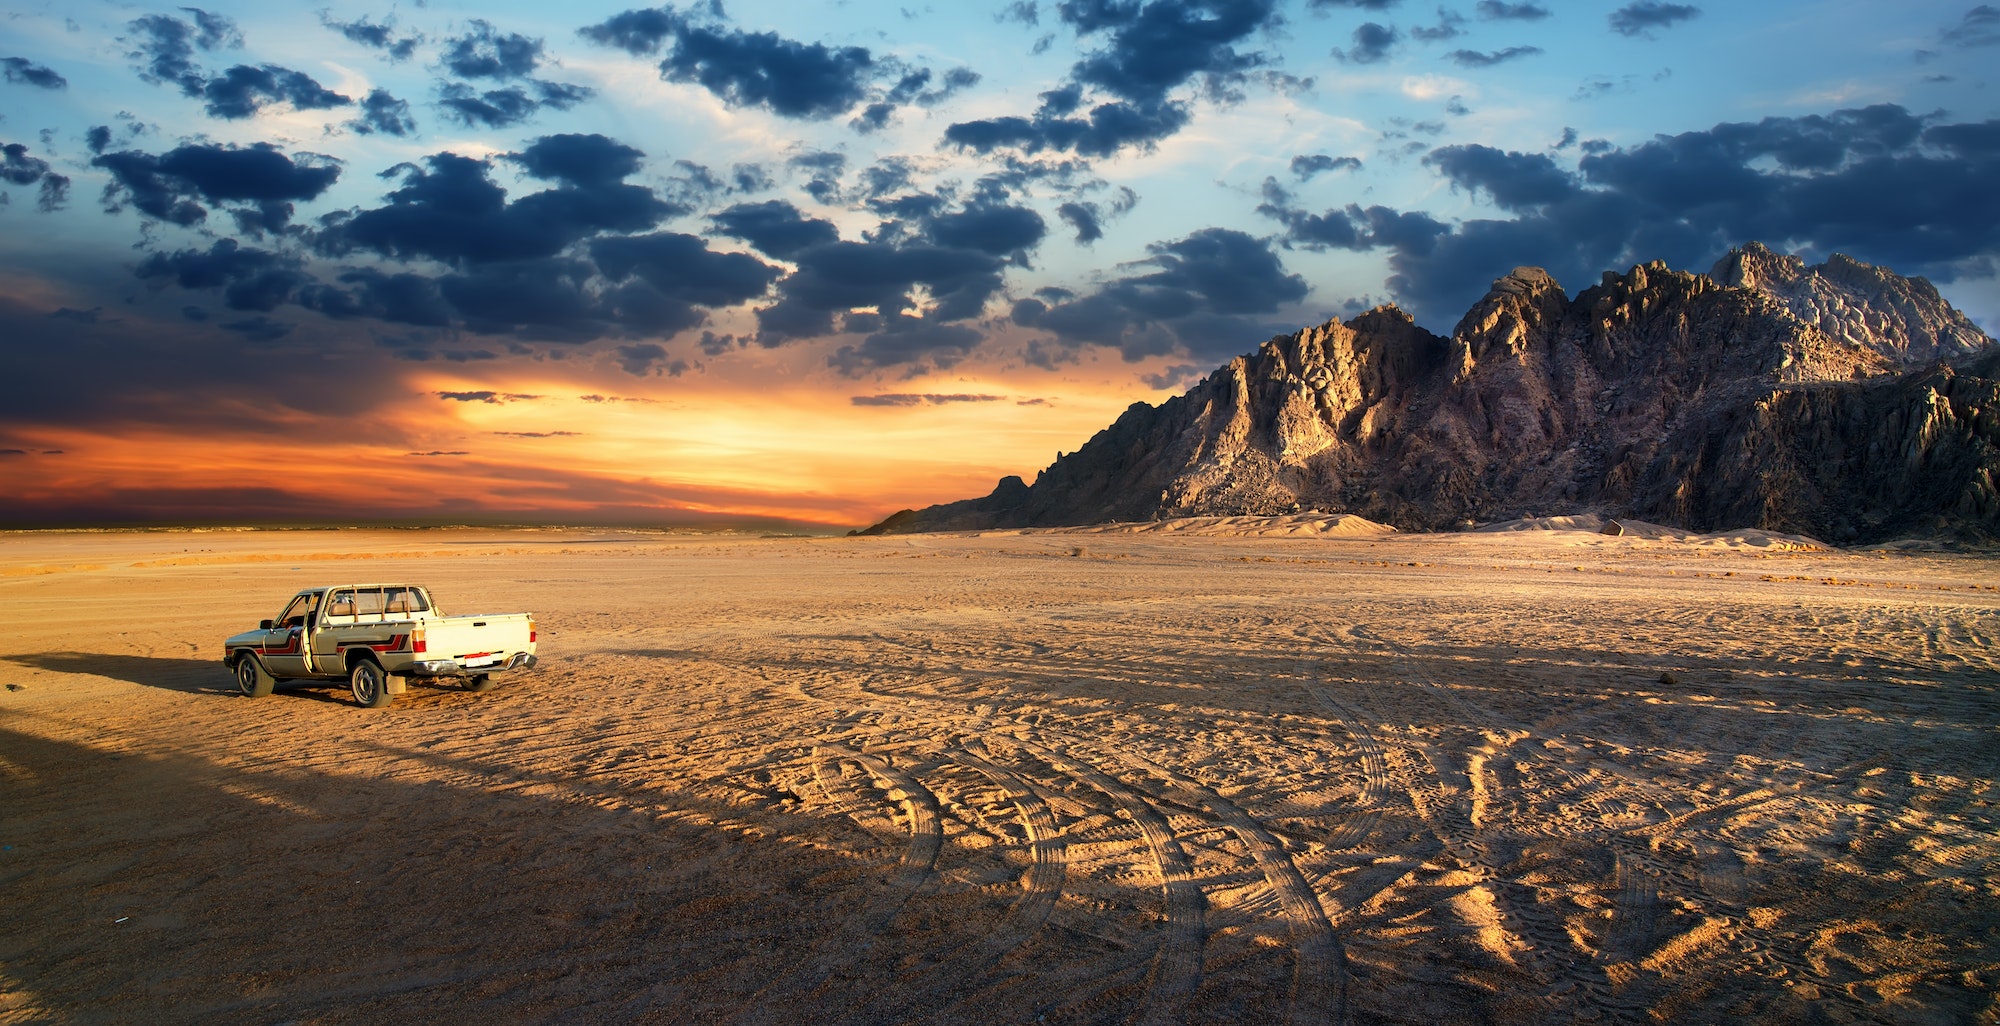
(555, 448)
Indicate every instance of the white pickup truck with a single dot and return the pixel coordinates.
(376, 637)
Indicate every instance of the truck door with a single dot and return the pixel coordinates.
(284, 651)
(323, 642)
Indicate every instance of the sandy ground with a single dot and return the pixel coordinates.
(1100, 777)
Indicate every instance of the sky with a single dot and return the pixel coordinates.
(783, 264)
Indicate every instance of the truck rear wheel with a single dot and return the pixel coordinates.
(480, 682)
(251, 678)
(369, 684)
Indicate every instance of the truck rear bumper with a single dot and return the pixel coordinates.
(451, 668)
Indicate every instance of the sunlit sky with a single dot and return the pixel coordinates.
(814, 263)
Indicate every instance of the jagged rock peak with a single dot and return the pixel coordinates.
(1904, 320)
(1524, 281)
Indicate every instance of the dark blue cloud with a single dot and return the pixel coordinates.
(1515, 181)
(243, 90)
(381, 112)
(1477, 59)
(172, 186)
(486, 53)
(1499, 10)
(449, 210)
(1203, 289)
(251, 279)
(1108, 128)
(509, 106)
(776, 228)
(683, 268)
(1451, 25)
(1372, 44)
(165, 47)
(807, 81)
(1365, 5)
(401, 298)
(1979, 27)
(1156, 47)
(996, 229)
(585, 161)
(18, 168)
(1878, 183)
(1643, 16)
(376, 37)
(1305, 166)
(23, 71)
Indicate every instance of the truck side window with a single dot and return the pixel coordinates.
(342, 604)
(295, 614)
(404, 600)
(368, 602)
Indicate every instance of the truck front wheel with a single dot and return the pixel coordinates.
(251, 678)
(369, 684)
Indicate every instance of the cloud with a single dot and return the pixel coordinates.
(485, 53)
(1878, 183)
(165, 47)
(1088, 217)
(1365, 5)
(509, 106)
(376, 37)
(804, 81)
(1451, 25)
(1476, 59)
(381, 112)
(487, 396)
(1153, 48)
(643, 359)
(1201, 297)
(251, 279)
(449, 210)
(671, 274)
(1498, 10)
(1979, 27)
(541, 434)
(17, 168)
(1108, 128)
(1643, 16)
(1307, 165)
(1372, 43)
(776, 228)
(171, 187)
(22, 71)
(1515, 181)
(921, 399)
(242, 91)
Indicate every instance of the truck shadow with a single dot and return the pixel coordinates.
(190, 676)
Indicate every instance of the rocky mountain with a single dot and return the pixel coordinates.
(1839, 400)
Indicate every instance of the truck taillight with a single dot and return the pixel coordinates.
(417, 642)
(531, 632)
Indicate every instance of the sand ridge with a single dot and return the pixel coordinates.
(1158, 777)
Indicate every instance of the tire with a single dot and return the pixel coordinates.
(481, 682)
(369, 684)
(251, 678)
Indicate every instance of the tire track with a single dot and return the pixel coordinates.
(1041, 884)
(1319, 976)
(1177, 967)
(779, 1000)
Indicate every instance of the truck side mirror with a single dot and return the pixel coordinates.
(263, 625)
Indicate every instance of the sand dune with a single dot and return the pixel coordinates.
(1256, 772)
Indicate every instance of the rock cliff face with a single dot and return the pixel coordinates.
(1839, 400)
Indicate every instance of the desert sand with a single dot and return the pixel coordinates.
(1275, 771)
